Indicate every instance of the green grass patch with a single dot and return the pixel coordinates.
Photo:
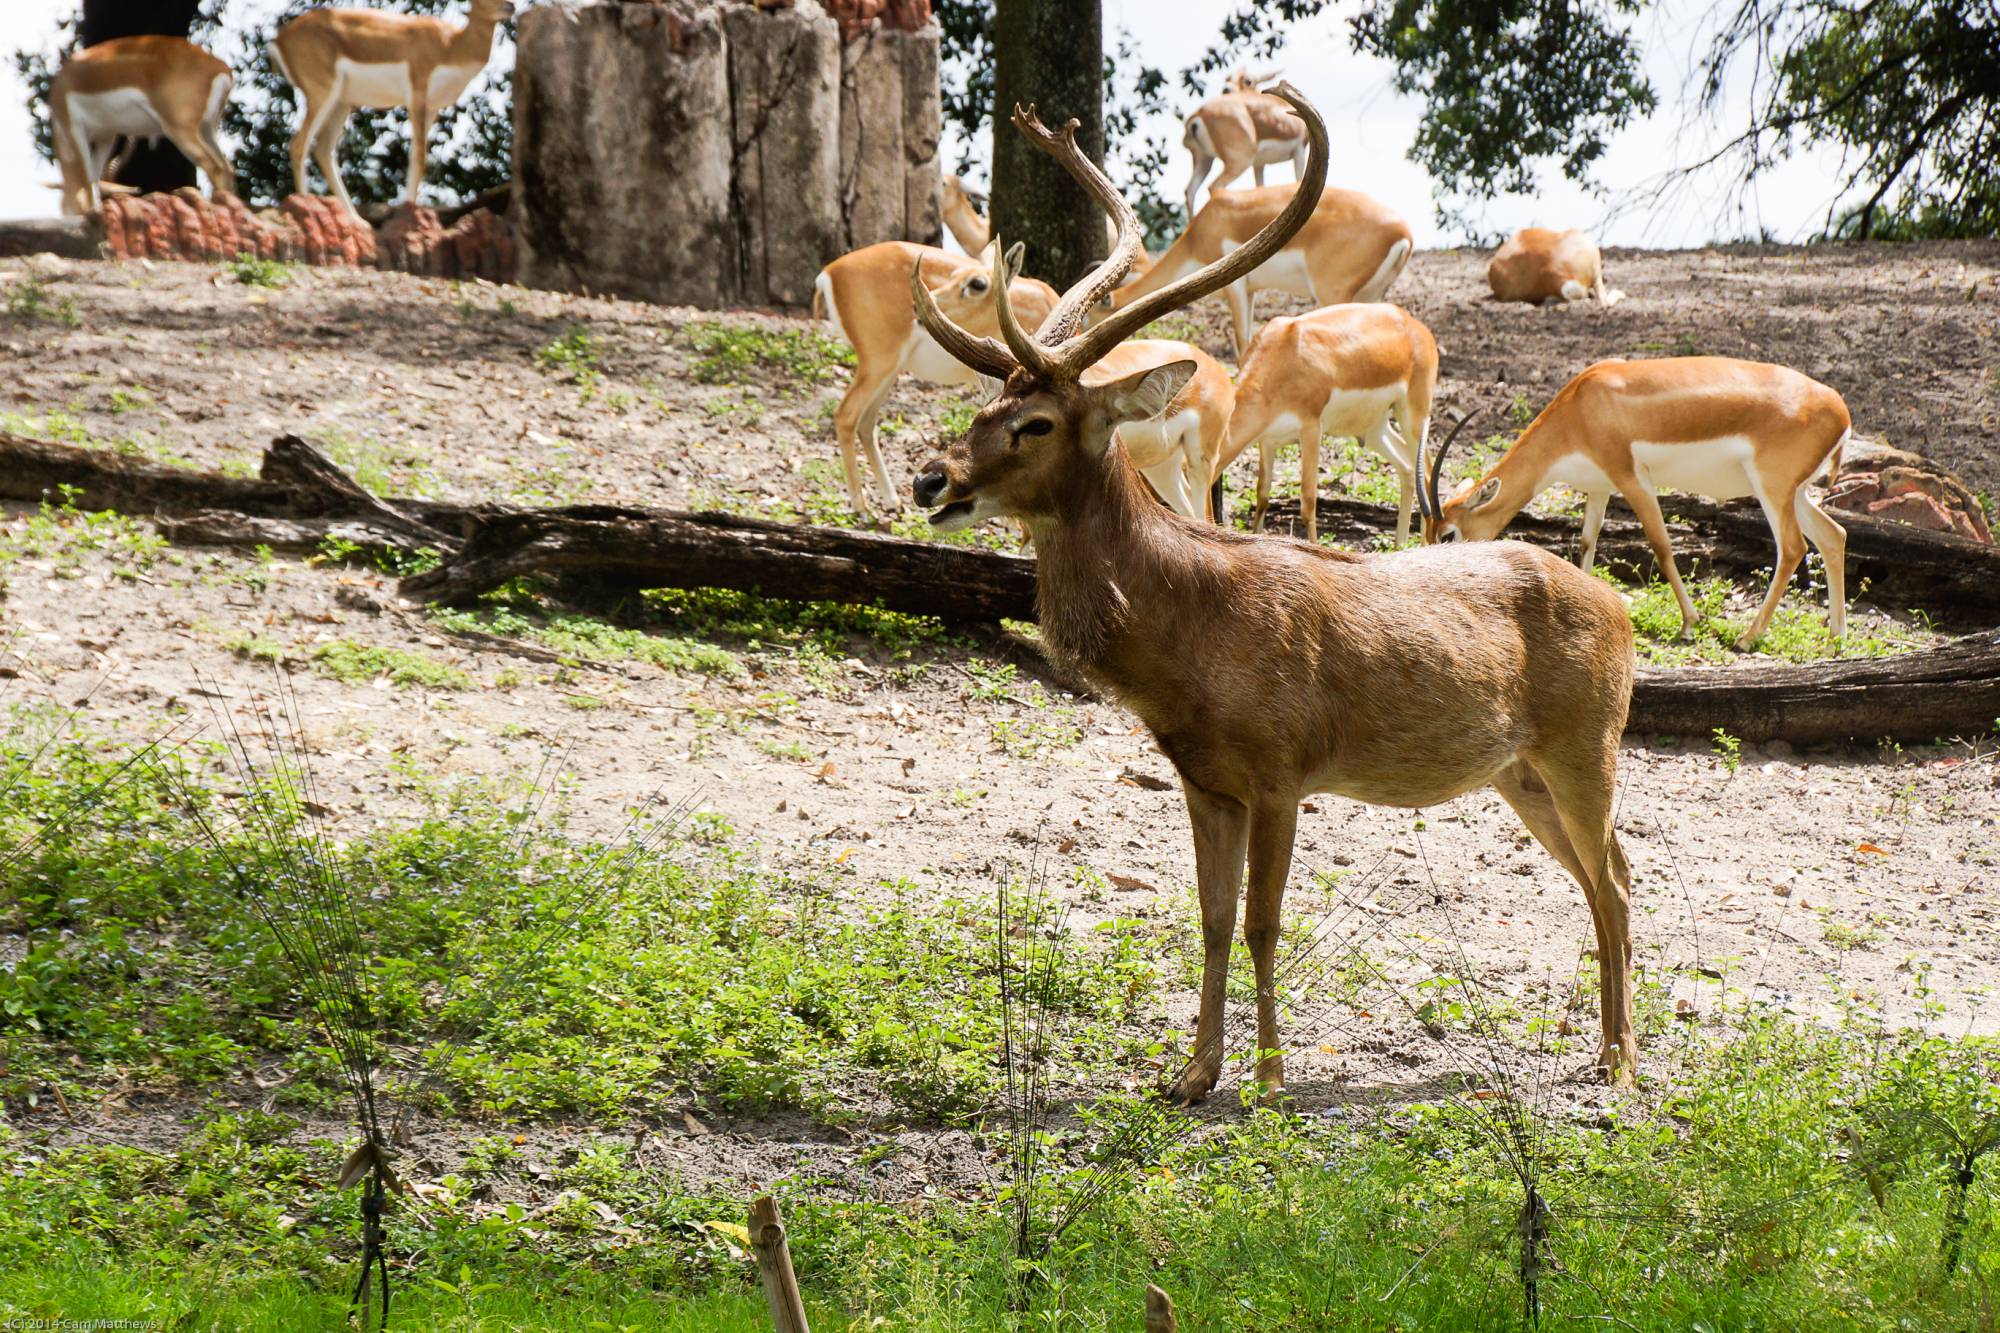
(67, 536)
(251, 271)
(359, 663)
(729, 353)
(587, 638)
(381, 466)
(1798, 631)
(30, 301)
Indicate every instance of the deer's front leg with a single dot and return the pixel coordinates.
(1221, 832)
(1273, 823)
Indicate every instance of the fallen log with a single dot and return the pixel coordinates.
(656, 548)
(1953, 689)
(1950, 690)
(1953, 579)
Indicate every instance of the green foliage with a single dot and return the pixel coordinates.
(30, 301)
(1798, 631)
(729, 352)
(254, 272)
(574, 357)
(357, 664)
(587, 638)
(63, 535)
(1729, 749)
(1508, 84)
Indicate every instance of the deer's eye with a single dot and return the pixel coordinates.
(977, 286)
(1034, 426)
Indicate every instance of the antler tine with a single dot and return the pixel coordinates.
(982, 354)
(1020, 342)
(1087, 347)
(1094, 286)
(1434, 506)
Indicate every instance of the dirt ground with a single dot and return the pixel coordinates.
(1795, 878)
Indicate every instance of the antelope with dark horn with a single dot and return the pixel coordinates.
(1269, 669)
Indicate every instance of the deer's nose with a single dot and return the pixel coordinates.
(929, 487)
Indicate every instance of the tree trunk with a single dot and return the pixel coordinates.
(160, 165)
(1048, 54)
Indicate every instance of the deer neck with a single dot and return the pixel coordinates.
(1102, 556)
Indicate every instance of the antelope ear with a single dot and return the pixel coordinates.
(1015, 254)
(1482, 497)
(1145, 394)
(985, 256)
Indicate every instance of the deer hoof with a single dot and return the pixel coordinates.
(1193, 1086)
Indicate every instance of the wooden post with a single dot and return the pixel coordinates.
(774, 1267)
(1159, 1310)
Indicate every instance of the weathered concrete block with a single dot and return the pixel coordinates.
(623, 153)
(785, 74)
(923, 127)
(889, 127)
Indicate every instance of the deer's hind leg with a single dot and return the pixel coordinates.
(1566, 804)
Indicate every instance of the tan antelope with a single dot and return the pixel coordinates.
(865, 295)
(138, 88)
(340, 59)
(1366, 371)
(1180, 451)
(1245, 130)
(1270, 669)
(1351, 249)
(1539, 265)
(1709, 425)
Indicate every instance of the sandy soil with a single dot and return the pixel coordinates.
(1797, 878)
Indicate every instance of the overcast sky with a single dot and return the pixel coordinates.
(1371, 128)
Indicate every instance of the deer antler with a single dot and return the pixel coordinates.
(1101, 281)
(982, 354)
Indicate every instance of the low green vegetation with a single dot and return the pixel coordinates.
(573, 357)
(29, 301)
(358, 664)
(729, 353)
(1767, 1175)
(66, 536)
(251, 271)
(385, 467)
(1798, 631)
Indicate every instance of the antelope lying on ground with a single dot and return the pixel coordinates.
(1705, 424)
(1245, 130)
(1537, 264)
(865, 294)
(340, 59)
(1350, 249)
(1270, 669)
(141, 88)
(1362, 370)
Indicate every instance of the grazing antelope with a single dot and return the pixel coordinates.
(1245, 130)
(340, 59)
(1537, 264)
(141, 88)
(1362, 370)
(1350, 249)
(1270, 669)
(1705, 424)
(865, 295)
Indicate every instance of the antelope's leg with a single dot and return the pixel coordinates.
(890, 492)
(854, 417)
(1240, 315)
(1266, 456)
(1648, 509)
(1257, 171)
(1221, 834)
(1831, 538)
(325, 151)
(1593, 522)
(194, 147)
(1202, 163)
(1391, 440)
(1582, 783)
(1791, 549)
(1309, 475)
(1169, 481)
(1273, 824)
(421, 119)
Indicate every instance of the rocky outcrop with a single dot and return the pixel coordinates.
(708, 154)
(1892, 483)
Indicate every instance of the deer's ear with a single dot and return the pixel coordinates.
(1484, 496)
(1145, 394)
(1015, 254)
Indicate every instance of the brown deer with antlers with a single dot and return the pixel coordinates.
(1268, 669)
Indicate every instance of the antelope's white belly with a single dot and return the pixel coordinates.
(1721, 469)
(373, 85)
(1357, 411)
(1277, 150)
(100, 116)
(449, 82)
(1284, 272)
(1578, 472)
(926, 360)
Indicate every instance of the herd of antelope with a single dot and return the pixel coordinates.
(1267, 669)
